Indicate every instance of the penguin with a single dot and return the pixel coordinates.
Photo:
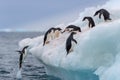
(69, 42)
(91, 21)
(72, 28)
(23, 54)
(48, 35)
(57, 32)
(103, 12)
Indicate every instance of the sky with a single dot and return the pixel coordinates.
(37, 15)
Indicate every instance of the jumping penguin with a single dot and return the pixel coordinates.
(48, 35)
(103, 12)
(23, 54)
(69, 43)
(91, 23)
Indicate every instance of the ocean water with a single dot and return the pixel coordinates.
(32, 68)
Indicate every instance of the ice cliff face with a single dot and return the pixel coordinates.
(96, 53)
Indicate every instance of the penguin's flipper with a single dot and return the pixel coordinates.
(75, 41)
(18, 51)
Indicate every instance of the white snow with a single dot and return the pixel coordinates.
(98, 49)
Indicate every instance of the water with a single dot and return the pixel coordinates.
(32, 68)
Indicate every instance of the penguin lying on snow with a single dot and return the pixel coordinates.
(103, 12)
(51, 34)
(70, 43)
(23, 54)
(91, 21)
(72, 28)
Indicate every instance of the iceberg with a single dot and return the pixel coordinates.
(96, 56)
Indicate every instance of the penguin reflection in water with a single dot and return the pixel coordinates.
(91, 23)
(70, 43)
(23, 54)
(51, 34)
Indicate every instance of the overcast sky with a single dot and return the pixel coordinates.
(37, 14)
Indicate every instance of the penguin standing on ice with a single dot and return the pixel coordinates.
(103, 12)
(70, 43)
(23, 54)
(91, 23)
(48, 35)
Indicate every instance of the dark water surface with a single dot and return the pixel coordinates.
(32, 68)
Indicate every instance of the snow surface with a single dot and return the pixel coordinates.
(97, 50)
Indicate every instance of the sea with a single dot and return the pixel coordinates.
(9, 58)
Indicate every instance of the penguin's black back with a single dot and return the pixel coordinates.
(75, 28)
(106, 14)
(104, 11)
(90, 19)
(71, 26)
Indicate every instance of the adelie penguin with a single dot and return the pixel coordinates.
(91, 21)
(72, 28)
(48, 35)
(51, 34)
(103, 12)
(70, 43)
(23, 54)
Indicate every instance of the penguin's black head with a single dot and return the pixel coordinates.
(59, 29)
(51, 29)
(84, 19)
(96, 13)
(26, 47)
